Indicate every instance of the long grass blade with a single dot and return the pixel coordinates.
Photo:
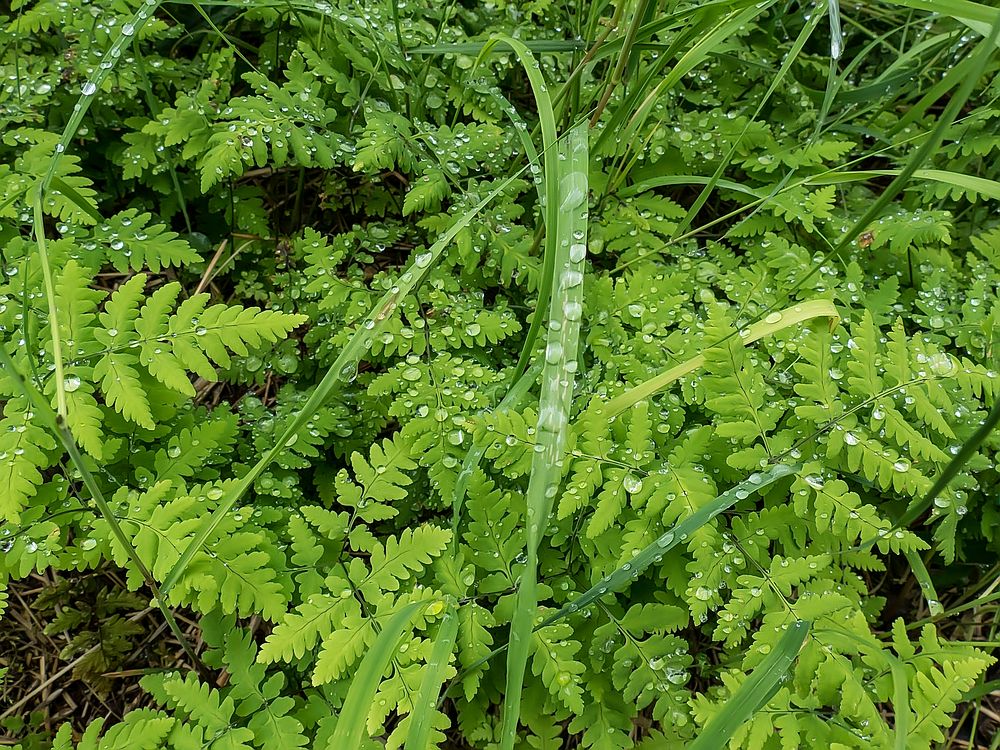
(476, 48)
(353, 717)
(652, 553)
(418, 734)
(786, 65)
(695, 55)
(924, 580)
(961, 10)
(794, 315)
(343, 370)
(967, 451)
(755, 691)
(678, 534)
(924, 152)
(900, 703)
(553, 404)
(964, 183)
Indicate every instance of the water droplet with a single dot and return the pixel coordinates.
(553, 352)
(632, 484)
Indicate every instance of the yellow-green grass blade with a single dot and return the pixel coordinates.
(353, 717)
(755, 692)
(776, 321)
(553, 404)
(418, 734)
(978, 17)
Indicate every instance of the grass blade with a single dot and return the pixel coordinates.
(618, 129)
(353, 718)
(917, 507)
(477, 48)
(961, 10)
(786, 65)
(925, 151)
(627, 573)
(620, 578)
(967, 451)
(817, 308)
(900, 703)
(924, 579)
(550, 177)
(78, 200)
(87, 94)
(418, 735)
(553, 405)
(755, 691)
(963, 183)
(344, 369)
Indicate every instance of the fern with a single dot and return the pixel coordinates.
(200, 213)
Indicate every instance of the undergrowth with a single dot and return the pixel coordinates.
(494, 375)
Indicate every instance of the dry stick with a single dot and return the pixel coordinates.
(133, 618)
(626, 53)
(205, 277)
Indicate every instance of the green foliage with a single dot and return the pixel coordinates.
(244, 195)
